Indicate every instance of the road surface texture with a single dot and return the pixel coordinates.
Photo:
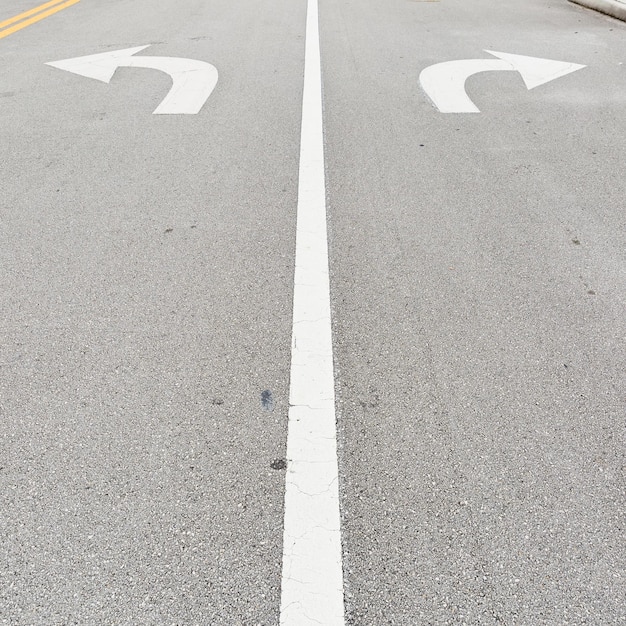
(478, 293)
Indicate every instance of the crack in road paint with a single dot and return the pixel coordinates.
(312, 578)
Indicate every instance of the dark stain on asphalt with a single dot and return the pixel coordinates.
(278, 464)
(12, 360)
(267, 400)
(169, 230)
(371, 401)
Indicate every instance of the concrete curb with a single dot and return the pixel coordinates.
(614, 8)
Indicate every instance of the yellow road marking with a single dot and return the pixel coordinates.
(56, 7)
(23, 16)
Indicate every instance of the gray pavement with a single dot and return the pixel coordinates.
(146, 307)
(479, 286)
(478, 282)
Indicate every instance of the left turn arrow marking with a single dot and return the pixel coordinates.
(193, 81)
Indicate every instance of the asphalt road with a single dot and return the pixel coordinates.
(478, 288)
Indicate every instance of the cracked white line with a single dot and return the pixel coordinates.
(312, 579)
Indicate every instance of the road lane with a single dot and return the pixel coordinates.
(146, 308)
(477, 278)
(478, 287)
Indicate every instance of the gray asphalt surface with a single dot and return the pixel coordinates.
(479, 289)
(147, 268)
(478, 278)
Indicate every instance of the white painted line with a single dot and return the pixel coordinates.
(312, 578)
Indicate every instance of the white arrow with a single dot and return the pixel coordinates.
(193, 81)
(445, 82)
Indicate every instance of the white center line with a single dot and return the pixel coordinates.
(312, 578)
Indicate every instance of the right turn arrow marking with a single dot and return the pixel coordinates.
(445, 82)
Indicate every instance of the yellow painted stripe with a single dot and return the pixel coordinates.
(23, 16)
(37, 18)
